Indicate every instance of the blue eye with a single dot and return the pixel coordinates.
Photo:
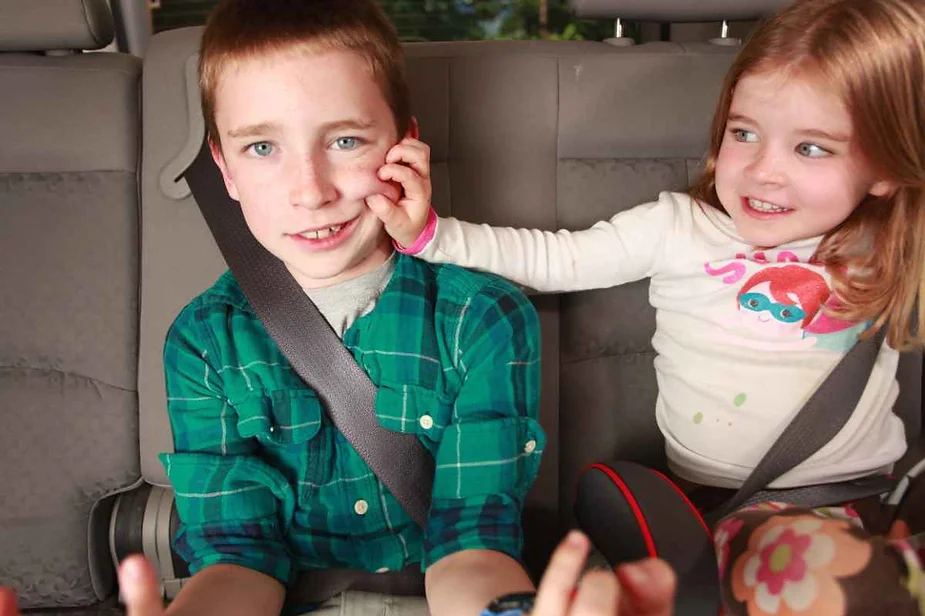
(346, 143)
(744, 136)
(261, 149)
(811, 150)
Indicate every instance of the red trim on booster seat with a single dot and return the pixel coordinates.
(634, 505)
(694, 509)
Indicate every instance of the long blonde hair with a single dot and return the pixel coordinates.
(872, 54)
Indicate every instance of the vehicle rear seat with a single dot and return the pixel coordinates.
(70, 126)
(540, 134)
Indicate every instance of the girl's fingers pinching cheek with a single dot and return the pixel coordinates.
(397, 173)
(402, 152)
(561, 576)
(414, 157)
(395, 154)
(381, 206)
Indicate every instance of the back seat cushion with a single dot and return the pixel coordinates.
(68, 315)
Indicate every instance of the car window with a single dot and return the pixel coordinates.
(441, 20)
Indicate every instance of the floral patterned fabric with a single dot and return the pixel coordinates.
(859, 558)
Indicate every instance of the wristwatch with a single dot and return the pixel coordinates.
(514, 604)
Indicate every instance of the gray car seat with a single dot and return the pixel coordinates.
(70, 134)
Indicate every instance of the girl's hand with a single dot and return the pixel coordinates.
(645, 588)
(407, 163)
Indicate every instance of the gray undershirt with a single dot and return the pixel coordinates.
(344, 303)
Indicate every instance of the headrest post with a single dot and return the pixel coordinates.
(618, 39)
(677, 11)
(724, 38)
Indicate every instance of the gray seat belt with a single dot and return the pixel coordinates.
(823, 416)
(400, 461)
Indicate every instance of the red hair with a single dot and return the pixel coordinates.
(871, 53)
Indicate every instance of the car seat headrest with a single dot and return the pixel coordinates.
(53, 25)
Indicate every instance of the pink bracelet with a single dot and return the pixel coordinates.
(423, 239)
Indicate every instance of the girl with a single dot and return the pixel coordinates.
(805, 231)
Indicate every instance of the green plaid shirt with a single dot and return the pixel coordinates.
(262, 477)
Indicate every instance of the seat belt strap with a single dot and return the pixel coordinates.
(823, 416)
(399, 460)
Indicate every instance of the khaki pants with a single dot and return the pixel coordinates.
(357, 603)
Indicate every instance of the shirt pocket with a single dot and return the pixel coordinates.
(279, 418)
(413, 409)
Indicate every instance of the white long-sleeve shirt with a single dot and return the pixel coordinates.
(741, 337)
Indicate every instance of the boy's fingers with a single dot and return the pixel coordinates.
(561, 576)
(139, 588)
(598, 595)
(649, 587)
(8, 605)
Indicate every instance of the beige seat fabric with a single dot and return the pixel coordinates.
(70, 130)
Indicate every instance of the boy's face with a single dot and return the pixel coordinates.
(302, 137)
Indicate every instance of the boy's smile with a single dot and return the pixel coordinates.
(302, 137)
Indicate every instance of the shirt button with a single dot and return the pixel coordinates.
(272, 428)
(382, 570)
(426, 421)
(530, 447)
(361, 507)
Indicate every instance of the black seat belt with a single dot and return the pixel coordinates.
(400, 461)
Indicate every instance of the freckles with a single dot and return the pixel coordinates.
(363, 178)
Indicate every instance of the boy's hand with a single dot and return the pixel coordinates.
(136, 580)
(408, 163)
(645, 588)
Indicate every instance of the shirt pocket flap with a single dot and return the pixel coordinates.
(412, 409)
(283, 417)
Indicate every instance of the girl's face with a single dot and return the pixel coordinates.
(788, 168)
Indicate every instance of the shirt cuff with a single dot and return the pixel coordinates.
(254, 545)
(489, 523)
(424, 238)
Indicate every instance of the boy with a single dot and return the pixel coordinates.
(302, 101)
